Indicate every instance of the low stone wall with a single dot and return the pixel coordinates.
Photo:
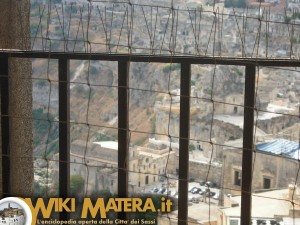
(277, 124)
(202, 170)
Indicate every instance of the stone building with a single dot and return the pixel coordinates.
(12, 216)
(97, 163)
(148, 166)
(272, 170)
(271, 207)
(233, 101)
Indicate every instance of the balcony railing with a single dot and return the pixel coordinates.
(250, 66)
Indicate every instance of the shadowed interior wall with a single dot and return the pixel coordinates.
(15, 34)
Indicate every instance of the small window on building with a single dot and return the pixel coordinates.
(237, 178)
(267, 183)
(74, 160)
(153, 178)
(111, 182)
(146, 179)
(235, 109)
(233, 222)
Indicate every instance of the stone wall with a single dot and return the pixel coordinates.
(15, 34)
(280, 170)
(199, 170)
(277, 124)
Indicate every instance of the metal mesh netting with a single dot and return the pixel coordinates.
(183, 28)
(158, 39)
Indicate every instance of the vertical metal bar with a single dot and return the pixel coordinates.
(184, 134)
(64, 130)
(123, 127)
(5, 126)
(249, 101)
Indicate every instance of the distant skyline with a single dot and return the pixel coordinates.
(12, 204)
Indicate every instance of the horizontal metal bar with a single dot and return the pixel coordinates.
(153, 58)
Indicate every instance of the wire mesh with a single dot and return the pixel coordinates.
(216, 105)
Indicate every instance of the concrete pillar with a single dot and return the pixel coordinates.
(15, 34)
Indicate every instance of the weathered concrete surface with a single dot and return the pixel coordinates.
(15, 34)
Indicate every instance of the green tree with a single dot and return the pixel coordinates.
(192, 147)
(39, 190)
(76, 185)
(172, 67)
(104, 137)
(153, 124)
(41, 126)
(287, 19)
